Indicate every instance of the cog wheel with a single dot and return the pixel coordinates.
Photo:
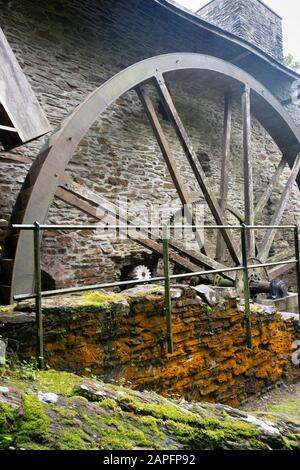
(141, 273)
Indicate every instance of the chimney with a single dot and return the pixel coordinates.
(251, 20)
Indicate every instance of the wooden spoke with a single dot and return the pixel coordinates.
(95, 205)
(282, 256)
(276, 219)
(248, 173)
(268, 191)
(169, 159)
(196, 166)
(220, 250)
(277, 271)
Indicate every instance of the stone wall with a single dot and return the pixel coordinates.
(69, 48)
(123, 339)
(249, 19)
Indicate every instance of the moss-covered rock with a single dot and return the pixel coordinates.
(89, 414)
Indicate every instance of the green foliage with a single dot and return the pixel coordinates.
(34, 424)
(291, 62)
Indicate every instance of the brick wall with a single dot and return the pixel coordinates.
(124, 340)
(249, 19)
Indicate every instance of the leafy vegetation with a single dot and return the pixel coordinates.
(291, 62)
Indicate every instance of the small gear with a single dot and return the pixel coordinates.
(141, 273)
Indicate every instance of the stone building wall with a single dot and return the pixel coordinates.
(123, 339)
(249, 19)
(69, 48)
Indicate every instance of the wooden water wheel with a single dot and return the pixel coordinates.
(46, 178)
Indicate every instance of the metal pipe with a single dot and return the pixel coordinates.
(121, 227)
(168, 300)
(246, 286)
(297, 254)
(140, 227)
(73, 290)
(38, 296)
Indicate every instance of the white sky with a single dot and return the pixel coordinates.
(288, 9)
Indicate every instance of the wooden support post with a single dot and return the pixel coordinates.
(276, 219)
(38, 296)
(168, 300)
(220, 251)
(248, 173)
(297, 256)
(97, 206)
(196, 166)
(246, 286)
(169, 159)
(268, 191)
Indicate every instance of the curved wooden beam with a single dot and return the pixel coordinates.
(44, 176)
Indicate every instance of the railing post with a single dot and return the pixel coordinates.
(297, 256)
(246, 286)
(38, 295)
(168, 301)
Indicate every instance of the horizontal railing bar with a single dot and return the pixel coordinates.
(71, 290)
(148, 281)
(268, 265)
(147, 227)
(7, 128)
(266, 227)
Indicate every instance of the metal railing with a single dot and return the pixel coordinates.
(167, 278)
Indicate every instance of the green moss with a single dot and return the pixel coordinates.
(124, 422)
(183, 432)
(206, 308)
(291, 442)
(290, 407)
(92, 421)
(72, 440)
(34, 424)
(7, 416)
(102, 300)
(163, 411)
(189, 428)
(83, 399)
(124, 434)
(64, 412)
(108, 404)
(7, 425)
(7, 308)
(151, 424)
(61, 383)
(34, 446)
(115, 441)
(215, 433)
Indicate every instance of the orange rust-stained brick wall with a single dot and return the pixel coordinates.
(125, 340)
